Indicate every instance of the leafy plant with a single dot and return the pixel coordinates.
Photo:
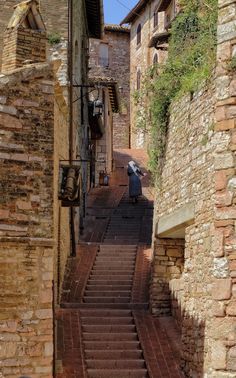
(232, 64)
(54, 38)
(191, 60)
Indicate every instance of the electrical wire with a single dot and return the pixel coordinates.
(125, 6)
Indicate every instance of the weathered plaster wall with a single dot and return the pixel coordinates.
(118, 42)
(26, 229)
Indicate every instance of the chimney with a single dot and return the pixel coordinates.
(25, 37)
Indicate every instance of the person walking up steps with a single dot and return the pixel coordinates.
(135, 187)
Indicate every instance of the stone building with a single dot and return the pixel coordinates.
(56, 22)
(144, 24)
(194, 272)
(110, 58)
(101, 125)
(42, 127)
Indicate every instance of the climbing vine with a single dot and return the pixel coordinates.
(191, 60)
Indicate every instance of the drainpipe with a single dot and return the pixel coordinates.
(71, 130)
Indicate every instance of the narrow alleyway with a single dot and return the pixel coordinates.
(104, 325)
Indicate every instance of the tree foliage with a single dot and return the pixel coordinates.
(191, 60)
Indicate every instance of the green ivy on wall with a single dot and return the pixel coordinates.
(191, 61)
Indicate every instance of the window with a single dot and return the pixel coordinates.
(155, 59)
(138, 79)
(103, 55)
(139, 28)
(155, 18)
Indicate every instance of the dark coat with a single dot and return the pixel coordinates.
(135, 187)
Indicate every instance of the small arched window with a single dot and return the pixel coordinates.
(139, 29)
(138, 79)
(155, 18)
(155, 59)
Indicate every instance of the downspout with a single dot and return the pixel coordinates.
(71, 129)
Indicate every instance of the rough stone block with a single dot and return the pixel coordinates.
(225, 124)
(231, 308)
(221, 289)
(220, 180)
(218, 355)
(224, 160)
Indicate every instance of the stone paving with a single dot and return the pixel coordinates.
(97, 323)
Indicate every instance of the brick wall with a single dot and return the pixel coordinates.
(118, 41)
(21, 45)
(54, 12)
(26, 227)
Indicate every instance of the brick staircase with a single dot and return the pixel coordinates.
(111, 344)
(110, 339)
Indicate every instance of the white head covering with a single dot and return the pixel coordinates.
(133, 166)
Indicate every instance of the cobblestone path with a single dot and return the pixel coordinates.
(104, 325)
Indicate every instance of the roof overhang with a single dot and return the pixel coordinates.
(116, 28)
(30, 9)
(95, 18)
(159, 39)
(135, 12)
(163, 5)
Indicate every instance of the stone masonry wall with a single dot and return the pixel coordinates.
(200, 169)
(223, 249)
(55, 21)
(118, 42)
(141, 58)
(26, 226)
(187, 177)
(21, 45)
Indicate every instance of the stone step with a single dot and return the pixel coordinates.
(117, 336)
(117, 373)
(114, 262)
(106, 313)
(118, 247)
(119, 268)
(110, 252)
(115, 241)
(106, 274)
(113, 354)
(110, 306)
(115, 294)
(111, 282)
(115, 364)
(120, 320)
(110, 328)
(97, 300)
(122, 346)
(100, 288)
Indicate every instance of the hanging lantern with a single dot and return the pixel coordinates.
(97, 108)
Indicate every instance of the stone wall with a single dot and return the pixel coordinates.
(55, 21)
(141, 58)
(223, 290)
(182, 288)
(26, 229)
(197, 198)
(118, 41)
(21, 45)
